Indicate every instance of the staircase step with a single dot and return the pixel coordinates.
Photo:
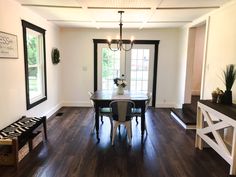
(192, 108)
(188, 115)
(189, 108)
(187, 118)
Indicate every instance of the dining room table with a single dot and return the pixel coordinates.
(102, 98)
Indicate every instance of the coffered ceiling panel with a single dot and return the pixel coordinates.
(62, 13)
(178, 15)
(113, 15)
(138, 13)
(192, 3)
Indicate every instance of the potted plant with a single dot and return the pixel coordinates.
(229, 78)
(121, 84)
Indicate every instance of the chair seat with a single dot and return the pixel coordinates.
(105, 111)
(136, 111)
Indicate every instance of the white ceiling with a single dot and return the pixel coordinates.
(138, 13)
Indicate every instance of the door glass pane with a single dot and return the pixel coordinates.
(139, 70)
(134, 53)
(133, 75)
(140, 54)
(133, 65)
(145, 75)
(110, 68)
(146, 54)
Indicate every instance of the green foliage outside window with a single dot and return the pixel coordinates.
(32, 62)
(32, 55)
(107, 63)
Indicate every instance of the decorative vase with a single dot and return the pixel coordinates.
(214, 97)
(227, 98)
(120, 90)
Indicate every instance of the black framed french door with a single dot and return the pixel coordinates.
(139, 45)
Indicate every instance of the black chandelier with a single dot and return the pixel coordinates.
(119, 42)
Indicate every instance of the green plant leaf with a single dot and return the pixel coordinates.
(229, 76)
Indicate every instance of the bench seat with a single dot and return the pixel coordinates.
(17, 135)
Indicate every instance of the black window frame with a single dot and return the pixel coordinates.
(33, 27)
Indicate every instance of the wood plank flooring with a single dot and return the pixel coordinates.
(72, 150)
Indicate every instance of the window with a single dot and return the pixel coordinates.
(35, 64)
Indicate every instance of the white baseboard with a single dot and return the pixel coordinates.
(178, 106)
(169, 105)
(164, 105)
(88, 104)
(76, 104)
(53, 110)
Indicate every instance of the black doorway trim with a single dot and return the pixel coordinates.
(151, 42)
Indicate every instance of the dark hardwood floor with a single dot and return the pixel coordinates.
(72, 150)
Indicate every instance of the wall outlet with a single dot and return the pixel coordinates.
(84, 68)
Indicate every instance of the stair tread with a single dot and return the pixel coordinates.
(187, 117)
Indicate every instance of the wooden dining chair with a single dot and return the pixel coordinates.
(102, 112)
(121, 113)
(137, 111)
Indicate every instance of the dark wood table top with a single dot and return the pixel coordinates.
(228, 110)
(112, 95)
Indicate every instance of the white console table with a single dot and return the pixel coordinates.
(216, 126)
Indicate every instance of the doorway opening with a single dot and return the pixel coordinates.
(194, 76)
(195, 62)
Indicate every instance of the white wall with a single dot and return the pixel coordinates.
(12, 78)
(77, 45)
(221, 49)
(198, 59)
(189, 64)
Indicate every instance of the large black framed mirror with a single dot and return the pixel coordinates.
(35, 64)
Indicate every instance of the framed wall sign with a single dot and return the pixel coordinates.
(8, 45)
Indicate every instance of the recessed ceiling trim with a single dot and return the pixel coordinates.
(187, 8)
(52, 6)
(84, 21)
(102, 21)
(80, 21)
(169, 21)
(129, 8)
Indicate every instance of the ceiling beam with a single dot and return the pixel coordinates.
(84, 21)
(52, 6)
(187, 8)
(127, 8)
(77, 21)
(169, 21)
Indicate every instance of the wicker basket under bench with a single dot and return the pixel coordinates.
(17, 135)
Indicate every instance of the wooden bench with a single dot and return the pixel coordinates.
(16, 136)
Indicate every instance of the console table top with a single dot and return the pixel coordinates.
(228, 110)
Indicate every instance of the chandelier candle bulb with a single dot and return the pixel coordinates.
(132, 38)
(109, 39)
